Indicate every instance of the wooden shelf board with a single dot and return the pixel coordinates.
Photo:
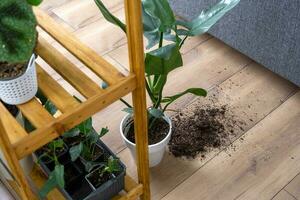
(132, 189)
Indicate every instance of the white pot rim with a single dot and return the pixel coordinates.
(29, 64)
(166, 117)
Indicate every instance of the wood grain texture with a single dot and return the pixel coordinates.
(67, 70)
(85, 54)
(284, 195)
(88, 10)
(261, 165)
(55, 92)
(133, 10)
(294, 187)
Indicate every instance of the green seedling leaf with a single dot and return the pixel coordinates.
(109, 16)
(75, 151)
(17, 31)
(34, 2)
(161, 11)
(103, 132)
(163, 60)
(59, 175)
(49, 185)
(113, 165)
(207, 19)
(86, 126)
(93, 137)
(72, 133)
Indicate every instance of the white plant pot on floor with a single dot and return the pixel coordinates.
(21, 89)
(156, 151)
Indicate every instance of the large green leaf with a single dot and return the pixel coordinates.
(75, 151)
(17, 31)
(207, 19)
(48, 186)
(86, 126)
(161, 10)
(163, 60)
(56, 178)
(195, 91)
(109, 16)
(103, 132)
(59, 171)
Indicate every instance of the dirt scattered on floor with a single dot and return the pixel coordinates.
(200, 129)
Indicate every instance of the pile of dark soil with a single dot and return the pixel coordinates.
(11, 70)
(201, 129)
(156, 134)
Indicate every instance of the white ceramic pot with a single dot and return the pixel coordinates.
(156, 151)
(21, 89)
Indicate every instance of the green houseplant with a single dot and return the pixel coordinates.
(18, 38)
(160, 25)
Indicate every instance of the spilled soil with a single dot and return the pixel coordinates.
(199, 129)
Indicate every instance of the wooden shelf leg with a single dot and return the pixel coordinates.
(11, 157)
(133, 12)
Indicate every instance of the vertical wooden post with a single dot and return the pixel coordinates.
(133, 12)
(11, 158)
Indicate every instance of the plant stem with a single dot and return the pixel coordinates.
(150, 93)
(126, 103)
(182, 42)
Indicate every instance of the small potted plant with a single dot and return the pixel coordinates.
(18, 37)
(159, 25)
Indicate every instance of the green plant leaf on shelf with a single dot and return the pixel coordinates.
(109, 16)
(163, 60)
(48, 186)
(72, 133)
(161, 10)
(207, 19)
(86, 126)
(103, 132)
(59, 175)
(113, 165)
(17, 31)
(75, 151)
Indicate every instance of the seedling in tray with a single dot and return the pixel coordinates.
(56, 177)
(83, 140)
(103, 173)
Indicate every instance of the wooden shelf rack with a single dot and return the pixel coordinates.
(16, 143)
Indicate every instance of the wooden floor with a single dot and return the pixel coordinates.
(265, 160)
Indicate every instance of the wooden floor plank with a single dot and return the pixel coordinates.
(103, 36)
(294, 186)
(284, 195)
(88, 10)
(260, 165)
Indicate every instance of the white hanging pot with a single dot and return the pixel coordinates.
(156, 151)
(21, 89)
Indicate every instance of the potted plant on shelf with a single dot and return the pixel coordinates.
(160, 24)
(18, 37)
(98, 174)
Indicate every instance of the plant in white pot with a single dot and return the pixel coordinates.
(18, 36)
(160, 25)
